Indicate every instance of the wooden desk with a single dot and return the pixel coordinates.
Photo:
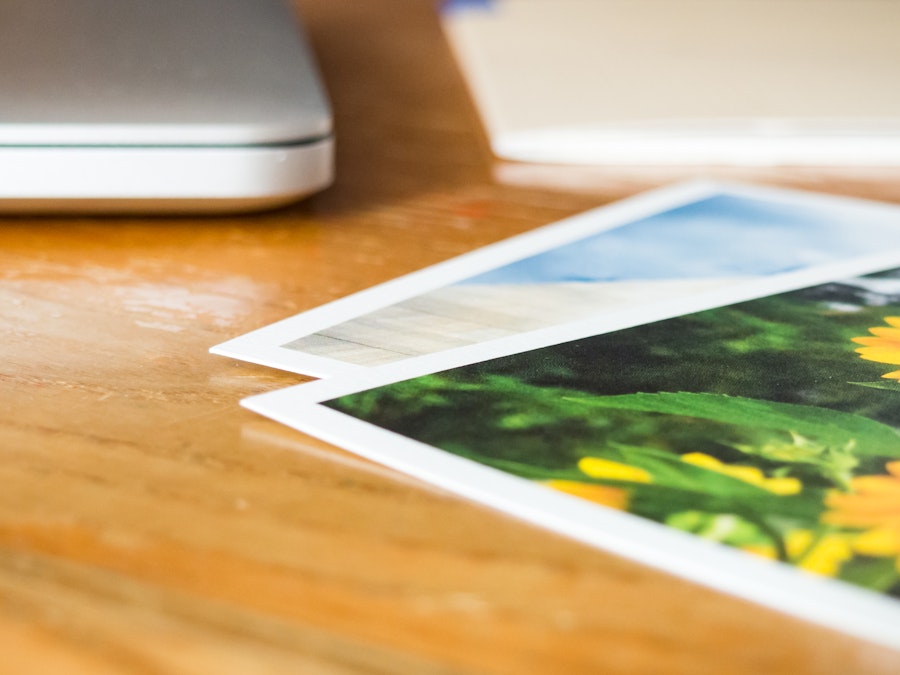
(150, 525)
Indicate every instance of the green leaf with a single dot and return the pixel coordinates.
(889, 386)
(669, 470)
(878, 574)
(680, 486)
(725, 528)
(658, 502)
(829, 427)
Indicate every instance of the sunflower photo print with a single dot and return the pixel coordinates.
(769, 425)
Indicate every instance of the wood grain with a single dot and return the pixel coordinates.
(150, 525)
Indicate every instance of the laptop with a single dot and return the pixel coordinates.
(163, 106)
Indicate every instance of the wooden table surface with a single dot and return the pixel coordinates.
(148, 524)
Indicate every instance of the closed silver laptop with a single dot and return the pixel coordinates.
(163, 105)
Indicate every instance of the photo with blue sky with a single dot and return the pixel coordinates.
(724, 235)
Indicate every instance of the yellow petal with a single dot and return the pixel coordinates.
(891, 334)
(783, 486)
(877, 485)
(889, 356)
(613, 497)
(876, 341)
(748, 474)
(827, 556)
(824, 556)
(703, 460)
(878, 542)
(606, 469)
(797, 541)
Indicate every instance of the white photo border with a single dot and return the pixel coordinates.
(265, 346)
(827, 602)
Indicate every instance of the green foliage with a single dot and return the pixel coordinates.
(773, 385)
(838, 437)
(831, 427)
(878, 574)
(725, 528)
(893, 386)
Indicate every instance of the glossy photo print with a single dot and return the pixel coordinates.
(753, 446)
(657, 247)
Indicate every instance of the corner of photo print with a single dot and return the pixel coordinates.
(654, 248)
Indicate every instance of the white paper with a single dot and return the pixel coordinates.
(837, 604)
(657, 247)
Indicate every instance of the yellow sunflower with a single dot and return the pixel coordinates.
(883, 346)
(873, 505)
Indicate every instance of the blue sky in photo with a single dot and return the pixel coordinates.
(724, 235)
(449, 6)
